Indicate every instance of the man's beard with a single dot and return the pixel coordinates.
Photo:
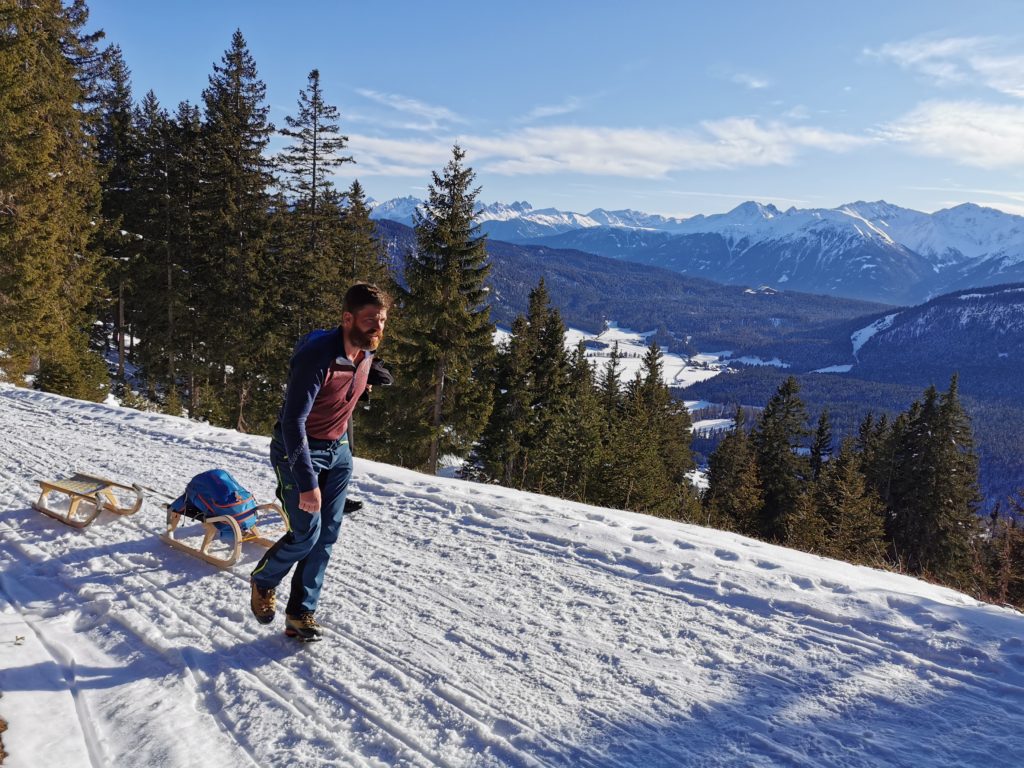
(363, 340)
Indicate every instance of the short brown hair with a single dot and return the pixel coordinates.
(364, 294)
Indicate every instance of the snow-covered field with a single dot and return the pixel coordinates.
(466, 625)
(677, 370)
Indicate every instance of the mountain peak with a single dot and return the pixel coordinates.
(754, 210)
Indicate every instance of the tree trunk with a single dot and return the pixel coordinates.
(435, 420)
(120, 330)
(243, 399)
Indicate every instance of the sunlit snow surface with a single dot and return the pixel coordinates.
(466, 625)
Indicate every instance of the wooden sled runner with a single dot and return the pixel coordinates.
(235, 538)
(87, 496)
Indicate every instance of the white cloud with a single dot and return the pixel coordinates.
(754, 82)
(623, 152)
(434, 116)
(959, 60)
(969, 132)
(551, 110)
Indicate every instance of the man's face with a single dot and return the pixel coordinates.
(365, 328)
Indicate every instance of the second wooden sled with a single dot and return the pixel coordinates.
(87, 496)
(211, 533)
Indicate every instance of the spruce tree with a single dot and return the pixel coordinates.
(734, 497)
(444, 335)
(957, 496)
(363, 257)
(312, 262)
(821, 447)
(503, 448)
(576, 449)
(934, 494)
(49, 197)
(237, 284)
(307, 163)
(116, 150)
(783, 471)
(184, 328)
(851, 512)
(151, 292)
(651, 456)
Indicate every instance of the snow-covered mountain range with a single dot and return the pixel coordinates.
(875, 251)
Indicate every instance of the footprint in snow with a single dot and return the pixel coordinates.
(725, 554)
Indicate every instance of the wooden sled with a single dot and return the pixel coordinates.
(87, 495)
(211, 534)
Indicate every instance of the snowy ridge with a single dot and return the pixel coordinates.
(867, 250)
(951, 236)
(467, 625)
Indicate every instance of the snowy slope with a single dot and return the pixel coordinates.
(467, 625)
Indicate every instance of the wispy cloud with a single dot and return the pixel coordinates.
(747, 80)
(600, 151)
(959, 60)
(568, 106)
(968, 132)
(431, 117)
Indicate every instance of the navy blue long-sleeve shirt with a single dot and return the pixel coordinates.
(324, 387)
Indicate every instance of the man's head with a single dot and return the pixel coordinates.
(363, 315)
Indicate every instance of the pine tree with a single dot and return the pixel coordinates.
(576, 434)
(777, 439)
(504, 442)
(734, 497)
(313, 260)
(234, 269)
(1003, 555)
(651, 455)
(184, 328)
(821, 448)
(307, 163)
(115, 147)
(957, 496)
(151, 291)
(934, 494)
(363, 257)
(49, 197)
(549, 376)
(444, 335)
(851, 512)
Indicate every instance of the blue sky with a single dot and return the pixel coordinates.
(667, 107)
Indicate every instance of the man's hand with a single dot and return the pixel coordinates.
(309, 501)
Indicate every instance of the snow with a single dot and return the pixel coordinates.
(834, 369)
(861, 337)
(466, 625)
(948, 238)
(707, 426)
(677, 370)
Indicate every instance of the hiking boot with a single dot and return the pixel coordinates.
(303, 626)
(263, 603)
(352, 505)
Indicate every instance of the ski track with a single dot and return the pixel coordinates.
(465, 626)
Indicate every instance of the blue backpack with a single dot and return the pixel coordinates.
(215, 493)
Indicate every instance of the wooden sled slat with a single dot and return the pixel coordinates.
(210, 533)
(88, 495)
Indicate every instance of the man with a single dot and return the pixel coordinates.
(328, 373)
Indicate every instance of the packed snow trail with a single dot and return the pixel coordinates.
(466, 625)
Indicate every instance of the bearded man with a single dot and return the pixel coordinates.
(328, 373)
